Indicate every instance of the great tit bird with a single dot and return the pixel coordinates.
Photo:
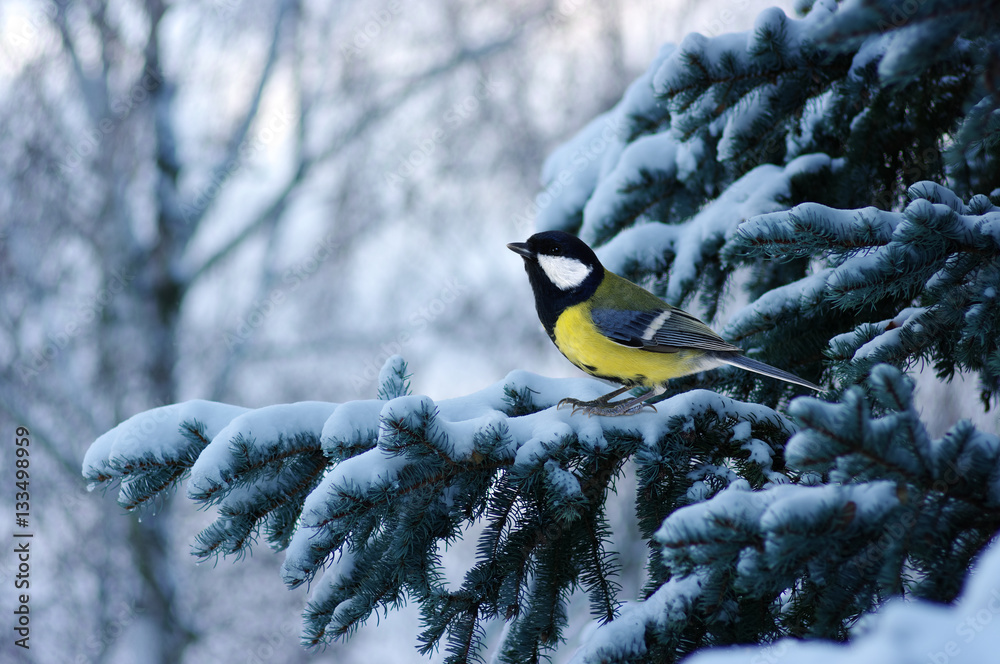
(618, 331)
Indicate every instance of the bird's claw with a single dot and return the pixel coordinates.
(603, 408)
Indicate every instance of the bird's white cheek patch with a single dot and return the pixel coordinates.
(565, 273)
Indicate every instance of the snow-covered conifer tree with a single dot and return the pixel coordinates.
(845, 165)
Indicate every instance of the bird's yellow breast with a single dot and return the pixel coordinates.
(579, 340)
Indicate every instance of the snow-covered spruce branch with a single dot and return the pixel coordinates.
(880, 510)
(742, 83)
(689, 253)
(368, 489)
(914, 631)
(932, 270)
(900, 513)
(641, 163)
(903, 31)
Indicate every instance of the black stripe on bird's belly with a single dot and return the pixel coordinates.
(631, 381)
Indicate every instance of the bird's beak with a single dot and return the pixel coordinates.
(522, 249)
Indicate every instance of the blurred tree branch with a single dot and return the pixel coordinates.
(112, 115)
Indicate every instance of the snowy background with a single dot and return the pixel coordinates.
(320, 249)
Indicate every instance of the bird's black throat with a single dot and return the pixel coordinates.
(550, 300)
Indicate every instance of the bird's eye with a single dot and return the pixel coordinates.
(555, 250)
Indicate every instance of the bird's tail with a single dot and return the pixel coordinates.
(744, 362)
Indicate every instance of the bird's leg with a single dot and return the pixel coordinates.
(600, 401)
(601, 406)
(629, 406)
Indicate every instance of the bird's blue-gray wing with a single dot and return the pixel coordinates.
(658, 330)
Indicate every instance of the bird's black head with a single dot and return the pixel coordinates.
(562, 269)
